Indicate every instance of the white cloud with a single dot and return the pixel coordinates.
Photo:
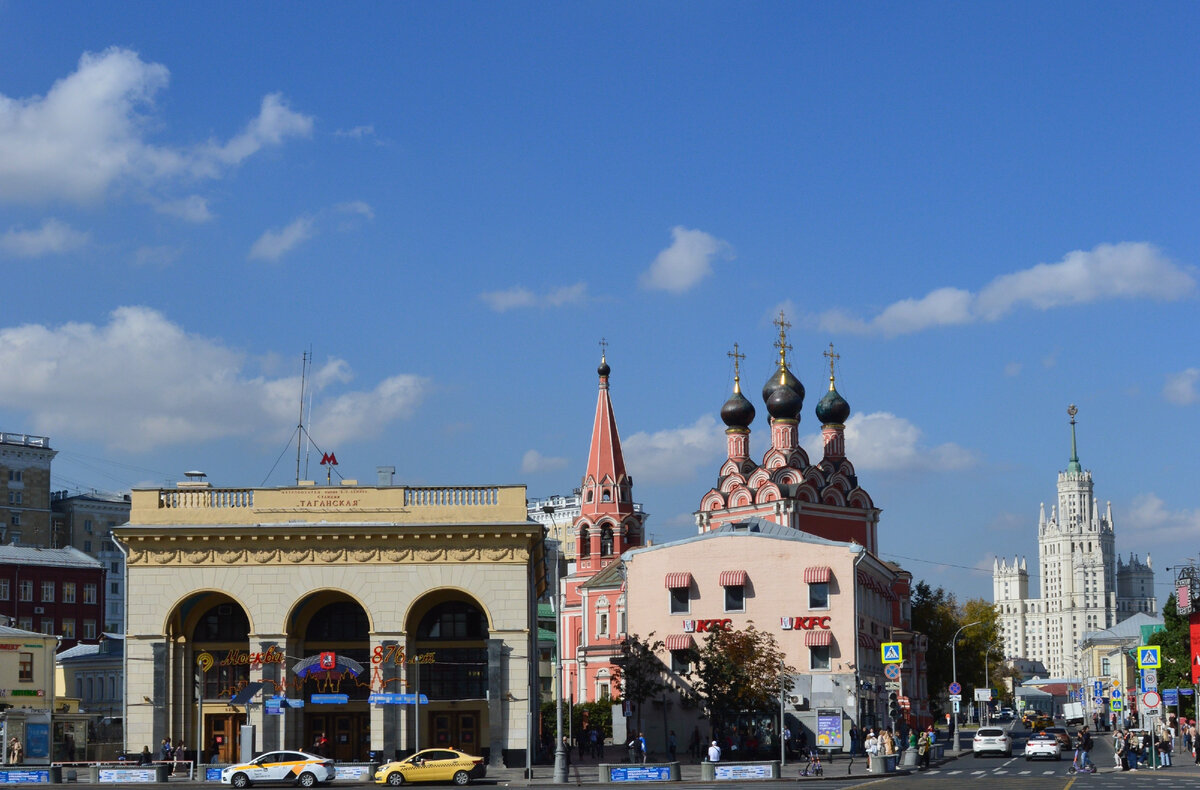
(54, 237)
(89, 134)
(357, 133)
(675, 454)
(175, 387)
(1180, 387)
(274, 244)
(156, 256)
(533, 462)
(359, 207)
(1129, 270)
(192, 208)
(885, 442)
(1151, 521)
(519, 296)
(686, 262)
(1012, 369)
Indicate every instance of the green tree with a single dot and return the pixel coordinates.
(739, 672)
(979, 643)
(641, 674)
(935, 614)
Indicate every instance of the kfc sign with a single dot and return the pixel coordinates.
(804, 623)
(703, 626)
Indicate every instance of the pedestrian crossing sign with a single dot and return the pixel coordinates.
(893, 652)
(1116, 705)
(1149, 657)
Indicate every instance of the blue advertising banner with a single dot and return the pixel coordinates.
(393, 698)
(212, 774)
(640, 773)
(271, 707)
(829, 728)
(329, 699)
(724, 772)
(1171, 696)
(37, 741)
(10, 777)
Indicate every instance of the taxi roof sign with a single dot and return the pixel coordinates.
(1149, 657)
(892, 652)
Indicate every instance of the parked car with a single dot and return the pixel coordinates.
(301, 768)
(992, 739)
(1043, 744)
(432, 765)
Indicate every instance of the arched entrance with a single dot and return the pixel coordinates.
(209, 639)
(448, 654)
(332, 624)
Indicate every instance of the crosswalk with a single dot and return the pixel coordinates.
(993, 772)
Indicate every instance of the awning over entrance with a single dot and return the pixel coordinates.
(679, 580)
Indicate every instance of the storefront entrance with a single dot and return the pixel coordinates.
(349, 734)
(221, 731)
(455, 730)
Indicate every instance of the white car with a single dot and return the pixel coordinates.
(1043, 744)
(301, 768)
(992, 739)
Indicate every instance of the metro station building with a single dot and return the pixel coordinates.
(338, 600)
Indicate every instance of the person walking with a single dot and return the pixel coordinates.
(672, 745)
(16, 752)
(714, 753)
(165, 751)
(923, 751)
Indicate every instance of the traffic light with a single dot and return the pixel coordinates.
(894, 705)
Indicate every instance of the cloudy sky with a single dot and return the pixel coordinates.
(990, 211)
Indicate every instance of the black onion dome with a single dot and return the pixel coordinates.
(782, 377)
(785, 404)
(833, 408)
(604, 369)
(737, 411)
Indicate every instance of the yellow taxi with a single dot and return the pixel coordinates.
(432, 765)
(302, 768)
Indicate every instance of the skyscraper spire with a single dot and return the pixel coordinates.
(1073, 466)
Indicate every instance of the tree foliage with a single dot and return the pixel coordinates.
(595, 714)
(1176, 645)
(938, 614)
(739, 672)
(641, 674)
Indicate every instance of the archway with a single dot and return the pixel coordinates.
(329, 634)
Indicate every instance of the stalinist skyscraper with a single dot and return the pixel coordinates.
(1084, 585)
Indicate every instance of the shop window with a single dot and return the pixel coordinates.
(818, 596)
(735, 598)
(680, 664)
(679, 600)
(818, 657)
(25, 668)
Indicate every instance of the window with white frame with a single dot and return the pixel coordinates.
(601, 623)
(818, 657)
(4, 589)
(47, 625)
(68, 592)
(47, 592)
(89, 629)
(735, 598)
(818, 595)
(25, 624)
(25, 590)
(680, 663)
(603, 684)
(68, 628)
(680, 604)
(89, 593)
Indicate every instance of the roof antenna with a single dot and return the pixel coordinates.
(300, 432)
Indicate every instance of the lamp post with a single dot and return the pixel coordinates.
(560, 753)
(954, 671)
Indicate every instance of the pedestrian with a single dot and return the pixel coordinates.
(179, 756)
(146, 758)
(923, 750)
(714, 753)
(566, 751)
(592, 742)
(672, 744)
(872, 743)
(1085, 746)
(165, 751)
(854, 733)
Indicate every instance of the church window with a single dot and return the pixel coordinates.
(606, 541)
(585, 543)
(589, 495)
(606, 496)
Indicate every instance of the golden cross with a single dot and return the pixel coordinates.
(1071, 410)
(782, 343)
(603, 346)
(736, 359)
(832, 356)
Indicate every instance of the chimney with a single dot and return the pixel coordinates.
(387, 475)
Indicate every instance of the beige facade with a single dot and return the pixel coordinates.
(257, 584)
(27, 669)
(25, 489)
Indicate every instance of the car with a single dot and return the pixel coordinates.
(1043, 744)
(432, 765)
(1064, 737)
(992, 739)
(1041, 722)
(301, 768)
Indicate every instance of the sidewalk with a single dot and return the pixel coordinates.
(587, 771)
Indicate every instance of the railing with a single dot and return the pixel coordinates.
(451, 496)
(24, 439)
(206, 498)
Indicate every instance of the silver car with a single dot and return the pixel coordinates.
(1043, 744)
(992, 739)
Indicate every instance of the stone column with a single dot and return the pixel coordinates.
(497, 689)
(387, 721)
(271, 730)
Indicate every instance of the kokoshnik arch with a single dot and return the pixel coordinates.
(343, 597)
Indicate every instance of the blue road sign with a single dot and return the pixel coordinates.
(1097, 688)
(1098, 700)
(956, 688)
(1148, 657)
(1115, 693)
(1171, 696)
(1115, 705)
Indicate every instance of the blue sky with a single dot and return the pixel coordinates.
(990, 210)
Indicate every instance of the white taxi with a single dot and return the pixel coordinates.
(302, 768)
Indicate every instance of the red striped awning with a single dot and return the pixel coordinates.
(734, 578)
(680, 642)
(818, 574)
(818, 638)
(866, 640)
(677, 580)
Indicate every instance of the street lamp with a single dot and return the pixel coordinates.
(560, 753)
(954, 671)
